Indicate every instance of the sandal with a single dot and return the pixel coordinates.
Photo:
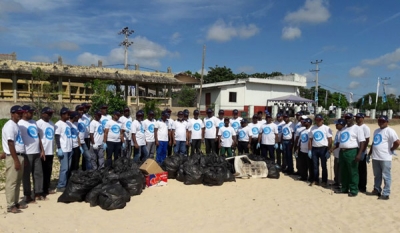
(14, 210)
(21, 206)
(29, 200)
(52, 191)
(42, 198)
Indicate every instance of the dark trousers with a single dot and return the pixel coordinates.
(243, 147)
(87, 142)
(279, 159)
(303, 165)
(254, 149)
(47, 167)
(287, 154)
(210, 145)
(318, 154)
(268, 152)
(32, 166)
(113, 148)
(362, 172)
(127, 152)
(336, 169)
(196, 146)
(170, 147)
(76, 155)
(348, 170)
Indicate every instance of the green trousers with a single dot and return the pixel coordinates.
(227, 150)
(349, 170)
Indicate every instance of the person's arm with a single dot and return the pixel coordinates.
(173, 137)
(370, 150)
(310, 144)
(188, 136)
(91, 138)
(366, 144)
(276, 138)
(358, 157)
(105, 135)
(13, 152)
(121, 136)
(296, 142)
(58, 144)
(329, 143)
(155, 136)
(42, 153)
(234, 141)
(203, 133)
(136, 145)
(395, 145)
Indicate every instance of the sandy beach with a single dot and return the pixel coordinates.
(247, 205)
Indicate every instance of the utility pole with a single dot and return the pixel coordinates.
(316, 83)
(384, 84)
(126, 43)
(201, 79)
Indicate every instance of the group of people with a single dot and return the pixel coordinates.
(29, 145)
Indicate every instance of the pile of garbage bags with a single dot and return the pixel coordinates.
(109, 188)
(273, 169)
(210, 170)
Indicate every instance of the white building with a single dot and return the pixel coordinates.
(249, 95)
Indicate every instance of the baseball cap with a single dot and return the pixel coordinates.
(86, 105)
(185, 110)
(235, 111)
(360, 115)
(196, 112)
(383, 117)
(139, 113)
(319, 116)
(167, 110)
(244, 120)
(103, 106)
(348, 115)
(180, 113)
(308, 120)
(268, 115)
(73, 114)
(47, 110)
(98, 112)
(304, 117)
(64, 110)
(28, 108)
(299, 114)
(150, 113)
(255, 116)
(209, 110)
(117, 113)
(16, 109)
(79, 107)
(221, 112)
(340, 122)
(285, 115)
(279, 115)
(126, 109)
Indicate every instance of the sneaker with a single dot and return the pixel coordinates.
(383, 197)
(352, 195)
(374, 193)
(60, 190)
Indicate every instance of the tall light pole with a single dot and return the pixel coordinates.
(316, 83)
(201, 79)
(126, 43)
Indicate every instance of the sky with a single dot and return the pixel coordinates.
(357, 41)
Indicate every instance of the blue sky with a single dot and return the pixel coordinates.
(357, 40)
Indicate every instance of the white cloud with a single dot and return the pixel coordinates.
(291, 33)
(205, 71)
(313, 11)
(222, 32)
(175, 38)
(385, 59)
(357, 71)
(393, 66)
(354, 85)
(391, 90)
(87, 59)
(65, 45)
(246, 69)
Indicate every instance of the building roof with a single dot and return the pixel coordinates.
(291, 99)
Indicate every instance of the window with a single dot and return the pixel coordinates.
(232, 97)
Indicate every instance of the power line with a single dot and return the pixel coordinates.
(126, 43)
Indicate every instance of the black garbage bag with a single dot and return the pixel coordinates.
(256, 157)
(273, 171)
(171, 165)
(229, 177)
(132, 181)
(109, 177)
(79, 184)
(122, 164)
(93, 196)
(214, 176)
(180, 175)
(113, 196)
(193, 173)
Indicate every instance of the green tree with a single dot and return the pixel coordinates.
(153, 106)
(392, 102)
(187, 96)
(38, 77)
(219, 74)
(106, 92)
(336, 96)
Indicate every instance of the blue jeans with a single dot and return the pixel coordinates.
(86, 155)
(382, 170)
(180, 147)
(318, 153)
(140, 154)
(65, 165)
(161, 151)
(97, 157)
(287, 154)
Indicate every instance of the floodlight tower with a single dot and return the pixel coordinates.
(126, 43)
(316, 83)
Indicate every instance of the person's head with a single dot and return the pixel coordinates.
(340, 123)
(74, 116)
(360, 118)
(64, 114)
(302, 120)
(180, 115)
(279, 117)
(226, 121)
(286, 118)
(86, 107)
(79, 109)
(319, 120)
(139, 115)
(116, 115)
(104, 109)
(255, 119)
(28, 112)
(298, 116)
(209, 113)
(164, 115)
(243, 122)
(259, 115)
(185, 115)
(349, 118)
(196, 114)
(268, 118)
(221, 113)
(383, 121)
(235, 113)
(150, 115)
(168, 111)
(47, 113)
(127, 112)
(307, 122)
(16, 112)
(97, 115)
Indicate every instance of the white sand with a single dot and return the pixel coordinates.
(255, 205)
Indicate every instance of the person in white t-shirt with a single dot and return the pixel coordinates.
(83, 133)
(179, 135)
(46, 134)
(227, 138)
(319, 145)
(268, 139)
(255, 127)
(14, 148)
(149, 125)
(186, 117)
(362, 165)
(64, 147)
(113, 140)
(244, 135)
(139, 138)
(382, 150)
(96, 142)
(305, 167)
(340, 124)
(279, 151)
(260, 119)
(220, 124)
(34, 153)
(296, 126)
(170, 138)
(287, 144)
(126, 124)
(104, 116)
(161, 133)
(196, 132)
(76, 141)
(210, 132)
(235, 120)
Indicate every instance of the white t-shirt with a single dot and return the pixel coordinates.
(279, 125)
(74, 134)
(337, 140)
(114, 131)
(138, 129)
(226, 134)
(30, 136)
(179, 127)
(170, 124)
(104, 120)
(126, 126)
(12, 132)
(85, 119)
(350, 137)
(235, 123)
(254, 128)
(366, 130)
(244, 134)
(383, 141)
(97, 130)
(210, 127)
(195, 127)
(162, 130)
(64, 130)
(268, 133)
(46, 134)
(287, 131)
(82, 129)
(262, 122)
(220, 122)
(304, 137)
(320, 135)
(149, 129)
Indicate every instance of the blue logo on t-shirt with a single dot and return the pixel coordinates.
(221, 124)
(100, 130)
(18, 138)
(128, 125)
(286, 131)
(318, 136)
(209, 124)
(68, 132)
(196, 126)
(49, 133)
(74, 133)
(279, 128)
(115, 129)
(32, 132)
(267, 130)
(141, 128)
(151, 128)
(81, 127)
(235, 125)
(344, 137)
(377, 139)
(254, 130)
(87, 121)
(226, 134)
(104, 122)
(242, 134)
(304, 138)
